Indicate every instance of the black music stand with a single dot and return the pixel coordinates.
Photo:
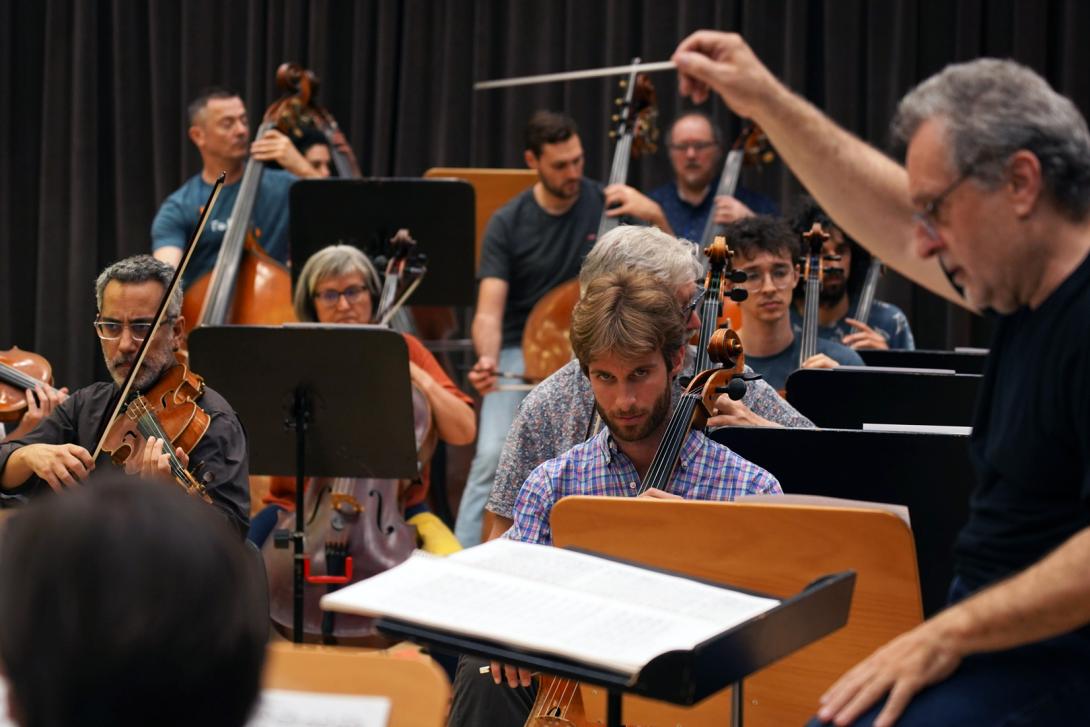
(318, 400)
(438, 213)
(963, 362)
(858, 465)
(679, 677)
(849, 397)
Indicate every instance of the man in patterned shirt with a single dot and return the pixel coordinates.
(628, 333)
(629, 338)
(559, 413)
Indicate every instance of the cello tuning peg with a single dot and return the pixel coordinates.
(612, 134)
(739, 294)
(737, 276)
(615, 118)
(767, 157)
(623, 83)
(618, 101)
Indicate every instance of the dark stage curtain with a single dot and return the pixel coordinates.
(95, 137)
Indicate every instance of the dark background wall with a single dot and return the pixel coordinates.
(93, 128)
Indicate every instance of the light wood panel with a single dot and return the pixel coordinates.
(417, 687)
(776, 549)
(493, 189)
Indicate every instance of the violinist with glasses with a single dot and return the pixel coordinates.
(57, 454)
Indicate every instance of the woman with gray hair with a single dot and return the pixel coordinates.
(339, 284)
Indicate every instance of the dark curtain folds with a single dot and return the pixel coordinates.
(95, 136)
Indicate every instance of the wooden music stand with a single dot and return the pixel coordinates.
(493, 189)
(771, 548)
(417, 687)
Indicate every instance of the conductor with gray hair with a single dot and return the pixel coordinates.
(56, 456)
(989, 210)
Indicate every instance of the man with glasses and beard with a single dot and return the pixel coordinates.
(991, 209)
(886, 327)
(57, 455)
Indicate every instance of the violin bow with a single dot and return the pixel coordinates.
(175, 282)
(576, 75)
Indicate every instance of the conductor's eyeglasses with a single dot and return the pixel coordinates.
(928, 217)
(111, 330)
(330, 298)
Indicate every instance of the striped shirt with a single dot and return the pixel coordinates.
(706, 471)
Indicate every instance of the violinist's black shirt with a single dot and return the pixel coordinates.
(1031, 437)
(220, 460)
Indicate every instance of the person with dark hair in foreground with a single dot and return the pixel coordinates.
(990, 210)
(128, 603)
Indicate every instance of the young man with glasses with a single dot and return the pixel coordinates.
(57, 455)
(992, 211)
(767, 250)
(339, 284)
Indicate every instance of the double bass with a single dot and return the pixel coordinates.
(545, 343)
(751, 148)
(247, 285)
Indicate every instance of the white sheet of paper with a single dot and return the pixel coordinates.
(552, 600)
(285, 708)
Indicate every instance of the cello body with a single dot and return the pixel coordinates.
(262, 293)
(360, 518)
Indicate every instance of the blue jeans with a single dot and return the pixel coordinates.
(1045, 683)
(498, 410)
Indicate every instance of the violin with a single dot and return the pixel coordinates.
(559, 700)
(545, 343)
(247, 285)
(20, 371)
(169, 412)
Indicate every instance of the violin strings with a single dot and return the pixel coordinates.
(17, 378)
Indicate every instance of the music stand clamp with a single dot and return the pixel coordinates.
(680, 677)
(324, 401)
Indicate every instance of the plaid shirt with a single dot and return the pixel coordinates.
(706, 471)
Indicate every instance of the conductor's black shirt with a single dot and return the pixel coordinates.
(1031, 438)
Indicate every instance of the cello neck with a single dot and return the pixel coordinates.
(866, 295)
(221, 286)
(728, 184)
(808, 344)
(622, 152)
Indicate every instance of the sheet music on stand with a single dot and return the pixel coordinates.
(639, 630)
